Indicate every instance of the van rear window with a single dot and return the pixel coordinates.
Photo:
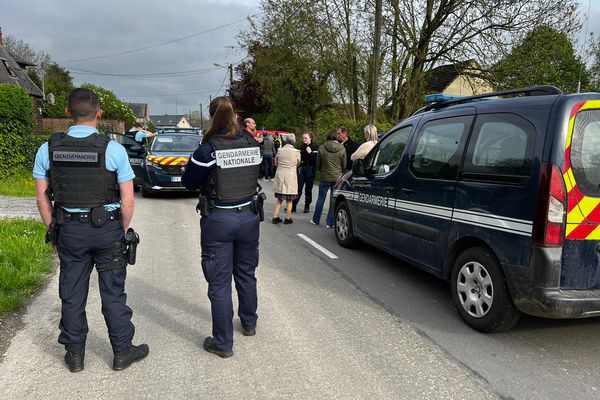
(585, 152)
(501, 145)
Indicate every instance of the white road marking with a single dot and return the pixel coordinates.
(317, 246)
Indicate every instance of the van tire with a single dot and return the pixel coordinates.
(480, 292)
(344, 233)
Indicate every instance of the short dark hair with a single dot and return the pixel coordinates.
(343, 129)
(83, 104)
(137, 125)
(332, 134)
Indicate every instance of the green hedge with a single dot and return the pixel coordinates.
(16, 120)
(15, 105)
(31, 144)
(10, 153)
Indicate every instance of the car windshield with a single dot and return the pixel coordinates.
(175, 143)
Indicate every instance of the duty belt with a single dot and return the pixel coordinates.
(85, 216)
(237, 209)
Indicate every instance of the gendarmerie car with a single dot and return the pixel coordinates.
(165, 162)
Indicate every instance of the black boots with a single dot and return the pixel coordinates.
(248, 331)
(209, 345)
(124, 359)
(74, 360)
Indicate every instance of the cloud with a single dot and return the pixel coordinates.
(74, 30)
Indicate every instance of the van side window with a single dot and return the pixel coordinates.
(389, 152)
(436, 154)
(585, 152)
(501, 144)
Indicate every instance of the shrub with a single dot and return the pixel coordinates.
(15, 124)
(15, 106)
(31, 143)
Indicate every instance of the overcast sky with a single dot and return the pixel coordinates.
(74, 30)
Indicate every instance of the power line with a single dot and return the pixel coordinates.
(156, 74)
(193, 91)
(155, 45)
(171, 94)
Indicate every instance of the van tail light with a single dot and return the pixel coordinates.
(549, 222)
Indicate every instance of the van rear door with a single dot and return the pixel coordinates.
(581, 254)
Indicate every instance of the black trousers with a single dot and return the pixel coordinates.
(80, 247)
(306, 178)
(229, 241)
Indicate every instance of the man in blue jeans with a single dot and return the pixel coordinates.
(331, 161)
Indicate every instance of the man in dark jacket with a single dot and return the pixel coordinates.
(331, 161)
(349, 144)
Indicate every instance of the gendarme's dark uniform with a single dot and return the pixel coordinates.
(226, 172)
(84, 171)
(306, 174)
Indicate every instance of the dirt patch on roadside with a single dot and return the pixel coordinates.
(10, 323)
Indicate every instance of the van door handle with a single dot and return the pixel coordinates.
(388, 189)
(407, 191)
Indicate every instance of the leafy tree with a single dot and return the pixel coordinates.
(246, 92)
(112, 107)
(431, 32)
(544, 57)
(59, 83)
(594, 70)
(287, 69)
(332, 43)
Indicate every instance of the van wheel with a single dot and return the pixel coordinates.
(480, 292)
(343, 226)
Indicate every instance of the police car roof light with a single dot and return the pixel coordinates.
(540, 90)
(441, 97)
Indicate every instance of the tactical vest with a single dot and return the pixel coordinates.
(78, 175)
(236, 176)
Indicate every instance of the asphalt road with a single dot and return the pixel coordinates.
(539, 359)
(344, 328)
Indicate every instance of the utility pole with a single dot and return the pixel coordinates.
(201, 118)
(230, 67)
(375, 64)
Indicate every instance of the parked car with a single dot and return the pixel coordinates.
(136, 154)
(165, 162)
(500, 197)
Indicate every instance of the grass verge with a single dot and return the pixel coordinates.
(20, 184)
(25, 261)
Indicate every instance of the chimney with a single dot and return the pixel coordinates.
(0, 36)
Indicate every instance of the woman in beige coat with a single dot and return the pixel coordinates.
(286, 179)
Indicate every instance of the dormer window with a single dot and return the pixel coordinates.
(9, 69)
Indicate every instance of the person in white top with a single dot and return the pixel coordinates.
(371, 139)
